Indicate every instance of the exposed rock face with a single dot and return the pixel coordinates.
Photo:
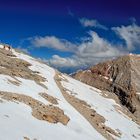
(120, 76)
(14, 67)
(40, 111)
(10, 65)
(49, 98)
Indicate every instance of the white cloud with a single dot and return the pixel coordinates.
(92, 23)
(61, 62)
(88, 53)
(53, 42)
(92, 49)
(130, 34)
(24, 50)
(97, 46)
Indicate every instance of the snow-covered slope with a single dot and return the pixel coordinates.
(18, 122)
(107, 108)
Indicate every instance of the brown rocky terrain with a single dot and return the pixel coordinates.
(59, 99)
(49, 98)
(40, 111)
(120, 76)
(10, 65)
(95, 119)
(14, 67)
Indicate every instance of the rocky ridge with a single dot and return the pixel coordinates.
(120, 76)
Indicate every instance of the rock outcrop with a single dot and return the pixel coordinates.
(120, 76)
(10, 65)
(40, 111)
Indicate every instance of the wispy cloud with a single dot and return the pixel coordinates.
(130, 34)
(88, 53)
(53, 42)
(70, 12)
(21, 49)
(92, 23)
(92, 49)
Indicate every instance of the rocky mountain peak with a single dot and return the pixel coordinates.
(120, 76)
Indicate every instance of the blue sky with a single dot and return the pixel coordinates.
(70, 34)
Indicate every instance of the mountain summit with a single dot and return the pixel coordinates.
(120, 76)
(39, 103)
